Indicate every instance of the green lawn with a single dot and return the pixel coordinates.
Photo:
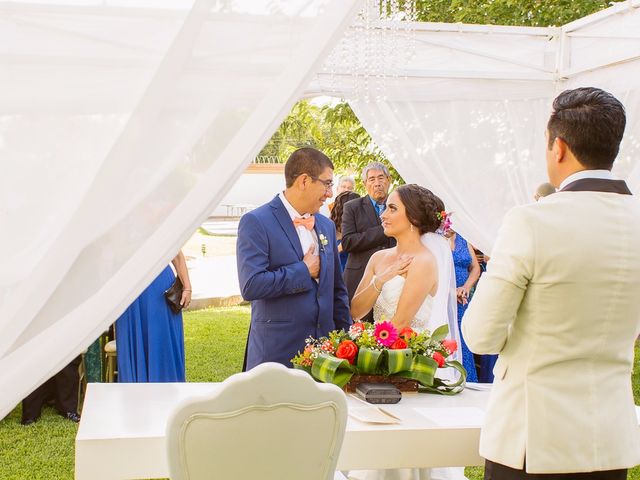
(214, 343)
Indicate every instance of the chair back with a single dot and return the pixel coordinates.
(268, 423)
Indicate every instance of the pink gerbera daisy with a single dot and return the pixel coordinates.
(386, 333)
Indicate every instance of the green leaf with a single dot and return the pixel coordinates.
(440, 333)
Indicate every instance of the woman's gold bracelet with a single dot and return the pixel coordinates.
(373, 282)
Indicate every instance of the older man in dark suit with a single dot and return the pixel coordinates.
(362, 232)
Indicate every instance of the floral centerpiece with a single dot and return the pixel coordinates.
(380, 349)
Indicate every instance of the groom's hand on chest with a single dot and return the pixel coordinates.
(312, 262)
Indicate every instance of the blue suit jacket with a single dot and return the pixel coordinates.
(287, 305)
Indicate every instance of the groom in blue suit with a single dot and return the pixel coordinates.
(288, 264)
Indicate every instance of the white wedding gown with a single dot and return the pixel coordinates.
(387, 303)
(425, 319)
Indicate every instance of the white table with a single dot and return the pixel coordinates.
(122, 432)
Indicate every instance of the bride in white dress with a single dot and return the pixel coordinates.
(411, 284)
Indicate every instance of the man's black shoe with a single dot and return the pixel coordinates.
(73, 416)
(29, 421)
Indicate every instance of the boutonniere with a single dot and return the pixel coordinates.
(323, 240)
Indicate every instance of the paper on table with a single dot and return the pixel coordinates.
(482, 387)
(454, 417)
(371, 414)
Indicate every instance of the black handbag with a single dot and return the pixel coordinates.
(173, 295)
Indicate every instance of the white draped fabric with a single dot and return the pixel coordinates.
(480, 157)
(466, 115)
(122, 125)
(483, 157)
(124, 122)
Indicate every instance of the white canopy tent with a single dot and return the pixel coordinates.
(122, 124)
(466, 115)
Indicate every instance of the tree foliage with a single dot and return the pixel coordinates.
(332, 129)
(530, 13)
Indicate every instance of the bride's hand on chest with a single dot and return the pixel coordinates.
(389, 268)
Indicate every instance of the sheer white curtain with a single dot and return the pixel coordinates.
(481, 148)
(122, 124)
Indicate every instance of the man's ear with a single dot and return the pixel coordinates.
(305, 181)
(559, 149)
(301, 181)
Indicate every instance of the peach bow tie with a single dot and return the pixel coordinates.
(307, 223)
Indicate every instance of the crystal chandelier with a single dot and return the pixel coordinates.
(379, 45)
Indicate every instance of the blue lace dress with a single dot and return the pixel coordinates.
(462, 262)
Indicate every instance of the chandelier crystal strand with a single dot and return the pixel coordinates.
(376, 50)
(411, 32)
(370, 6)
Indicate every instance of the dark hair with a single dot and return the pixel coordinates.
(422, 207)
(591, 122)
(305, 160)
(338, 207)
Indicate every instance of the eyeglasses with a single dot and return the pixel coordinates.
(328, 184)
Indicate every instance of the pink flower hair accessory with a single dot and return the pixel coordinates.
(445, 222)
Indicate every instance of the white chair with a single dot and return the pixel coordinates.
(271, 423)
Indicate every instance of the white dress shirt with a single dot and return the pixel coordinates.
(307, 237)
(606, 174)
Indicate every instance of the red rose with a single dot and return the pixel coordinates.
(399, 344)
(450, 344)
(407, 333)
(438, 358)
(347, 350)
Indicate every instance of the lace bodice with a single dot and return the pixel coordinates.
(387, 303)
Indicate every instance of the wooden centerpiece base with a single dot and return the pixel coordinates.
(402, 384)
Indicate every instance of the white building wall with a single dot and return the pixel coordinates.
(250, 191)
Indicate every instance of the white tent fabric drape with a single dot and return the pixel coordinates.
(122, 125)
(468, 119)
(483, 157)
(124, 122)
(480, 156)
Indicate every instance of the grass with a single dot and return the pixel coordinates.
(214, 344)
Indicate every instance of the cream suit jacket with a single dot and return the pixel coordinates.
(560, 303)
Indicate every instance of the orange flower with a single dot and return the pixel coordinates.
(399, 344)
(347, 350)
(407, 333)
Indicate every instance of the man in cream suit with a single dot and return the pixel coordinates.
(560, 303)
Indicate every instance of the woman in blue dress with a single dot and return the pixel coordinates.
(467, 274)
(149, 336)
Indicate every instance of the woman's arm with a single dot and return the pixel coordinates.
(421, 281)
(180, 264)
(474, 275)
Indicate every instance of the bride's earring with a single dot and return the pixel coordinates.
(411, 227)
